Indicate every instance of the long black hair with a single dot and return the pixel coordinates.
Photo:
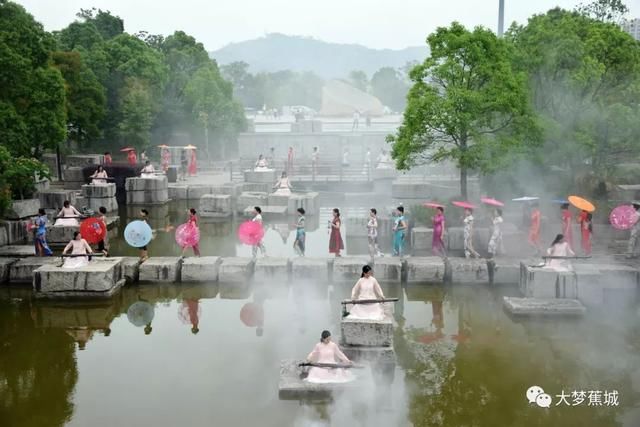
(337, 212)
(558, 239)
(365, 270)
(325, 334)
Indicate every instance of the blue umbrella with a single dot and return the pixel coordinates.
(138, 234)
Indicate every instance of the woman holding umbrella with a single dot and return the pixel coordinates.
(336, 243)
(495, 243)
(132, 157)
(437, 241)
(586, 230)
(534, 227)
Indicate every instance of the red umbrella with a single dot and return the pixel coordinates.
(125, 149)
(252, 314)
(623, 217)
(465, 205)
(250, 232)
(93, 230)
(433, 205)
(491, 201)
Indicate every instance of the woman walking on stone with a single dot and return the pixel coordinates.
(335, 240)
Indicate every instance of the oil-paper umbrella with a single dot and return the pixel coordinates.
(491, 201)
(252, 314)
(187, 235)
(465, 205)
(582, 204)
(250, 232)
(432, 205)
(623, 217)
(138, 234)
(93, 230)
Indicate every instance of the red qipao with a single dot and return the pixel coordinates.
(534, 228)
(566, 227)
(583, 220)
(192, 164)
(335, 240)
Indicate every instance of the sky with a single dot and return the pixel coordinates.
(393, 24)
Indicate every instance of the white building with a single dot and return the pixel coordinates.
(632, 26)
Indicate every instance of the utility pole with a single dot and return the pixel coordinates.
(501, 18)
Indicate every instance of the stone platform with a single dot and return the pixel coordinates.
(348, 268)
(147, 191)
(215, 206)
(388, 269)
(161, 269)
(543, 306)
(200, 269)
(22, 271)
(271, 269)
(292, 387)
(426, 269)
(98, 279)
(17, 251)
(95, 196)
(235, 270)
(537, 282)
(310, 269)
(368, 333)
(467, 271)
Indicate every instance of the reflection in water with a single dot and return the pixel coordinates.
(189, 313)
(141, 313)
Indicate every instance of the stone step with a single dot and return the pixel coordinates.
(543, 306)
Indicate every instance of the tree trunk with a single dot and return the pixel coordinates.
(463, 182)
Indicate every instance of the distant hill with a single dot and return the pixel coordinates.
(276, 52)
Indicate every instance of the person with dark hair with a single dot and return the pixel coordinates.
(399, 231)
(635, 232)
(68, 216)
(559, 248)
(372, 233)
(367, 288)
(495, 242)
(148, 171)
(40, 234)
(132, 158)
(99, 177)
(327, 351)
(299, 243)
(103, 245)
(262, 164)
(567, 232)
(586, 230)
(144, 252)
(335, 239)
(192, 222)
(283, 186)
(437, 240)
(257, 217)
(534, 227)
(108, 160)
(469, 251)
(78, 246)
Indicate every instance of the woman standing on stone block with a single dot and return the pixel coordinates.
(399, 231)
(299, 243)
(192, 228)
(437, 240)
(40, 235)
(335, 240)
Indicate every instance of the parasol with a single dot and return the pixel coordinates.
(252, 314)
(525, 199)
(250, 232)
(433, 205)
(140, 313)
(465, 205)
(125, 149)
(491, 201)
(93, 230)
(582, 204)
(190, 147)
(187, 235)
(138, 234)
(623, 217)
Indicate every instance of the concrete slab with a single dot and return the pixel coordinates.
(369, 333)
(291, 386)
(178, 191)
(22, 270)
(372, 355)
(467, 271)
(98, 279)
(99, 191)
(235, 270)
(425, 269)
(200, 269)
(503, 271)
(5, 265)
(148, 197)
(538, 282)
(130, 269)
(272, 269)
(146, 184)
(543, 306)
(277, 200)
(266, 177)
(388, 269)
(161, 269)
(195, 192)
(310, 269)
(421, 238)
(22, 209)
(348, 268)
(17, 251)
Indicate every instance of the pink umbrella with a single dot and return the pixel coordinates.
(187, 235)
(432, 205)
(491, 201)
(465, 205)
(250, 232)
(623, 217)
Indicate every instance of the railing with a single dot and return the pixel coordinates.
(305, 171)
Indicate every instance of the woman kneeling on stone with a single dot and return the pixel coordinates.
(78, 246)
(367, 288)
(327, 351)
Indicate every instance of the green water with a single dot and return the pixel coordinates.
(461, 360)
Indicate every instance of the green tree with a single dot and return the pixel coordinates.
(108, 25)
(467, 104)
(604, 10)
(388, 85)
(359, 79)
(32, 97)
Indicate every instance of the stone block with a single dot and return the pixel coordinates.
(146, 184)
(130, 269)
(310, 269)
(195, 192)
(110, 204)
(100, 278)
(454, 239)
(388, 269)
(257, 187)
(308, 201)
(61, 234)
(421, 238)
(426, 269)
(215, 205)
(348, 268)
(17, 251)
(54, 199)
(270, 269)
(4, 236)
(22, 270)
(16, 231)
(5, 266)
(22, 209)
(467, 271)
(292, 386)
(201, 269)
(161, 269)
(235, 270)
(277, 200)
(147, 197)
(543, 282)
(82, 160)
(503, 271)
(73, 185)
(249, 200)
(74, 174)
(370, 355)
(99, 191)
(265, 177)
(543, 306)
(178, 191)
(369, 333)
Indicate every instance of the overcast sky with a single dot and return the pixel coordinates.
(374, 23)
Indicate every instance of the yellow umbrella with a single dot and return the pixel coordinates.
(582, 204)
